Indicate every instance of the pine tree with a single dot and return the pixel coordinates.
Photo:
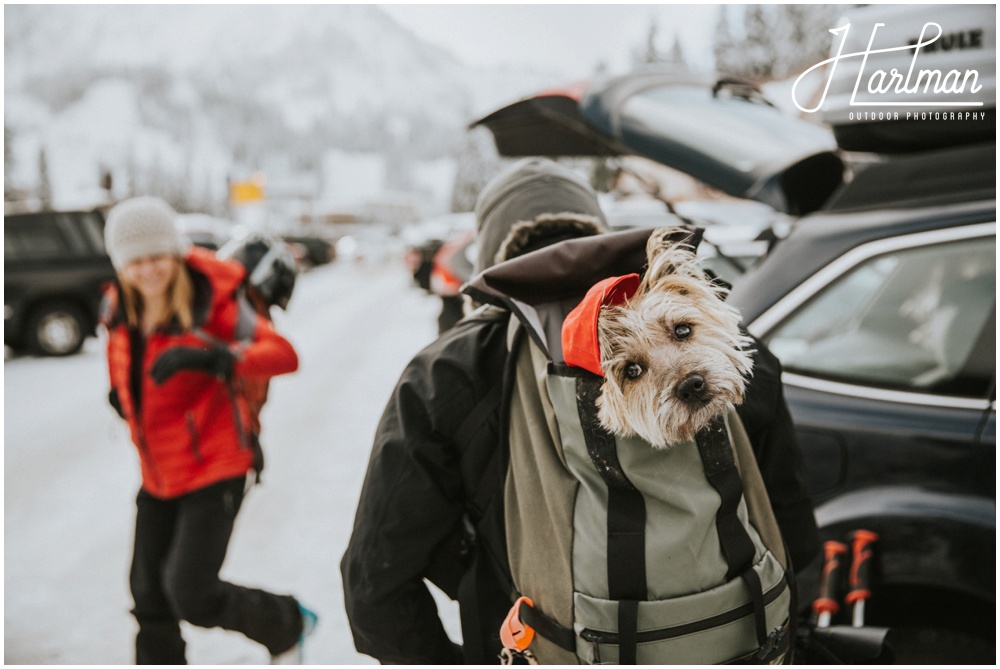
(647, 53)
(44, 185)
(10, 191)
(804, 31)
(652, 55)
(724, 47)
(676, 57)
(778, 40)
(759, 49)
(476, 163)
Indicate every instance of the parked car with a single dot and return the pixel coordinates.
(882, 309)
(738, 233)
(880, 300)
(55, 269)
(205, 230)
(317, 250)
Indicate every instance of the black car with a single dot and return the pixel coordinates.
(882, 309)
(55, 269)
(881, 304)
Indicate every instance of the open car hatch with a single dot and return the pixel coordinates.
(721, 132)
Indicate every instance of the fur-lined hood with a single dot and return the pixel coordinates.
(528, 191)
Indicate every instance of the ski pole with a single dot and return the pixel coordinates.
(826, 605)
(860, 575)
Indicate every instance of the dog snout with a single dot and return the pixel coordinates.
(693, 389)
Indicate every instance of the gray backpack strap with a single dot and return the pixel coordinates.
(737, 546)
(246, 323)
(626, 560)
(246, 318)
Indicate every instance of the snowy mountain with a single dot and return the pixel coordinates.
(196, 91)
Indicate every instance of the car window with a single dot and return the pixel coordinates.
(907, 320)
(33, 238)
(69, 224)
(92, 226)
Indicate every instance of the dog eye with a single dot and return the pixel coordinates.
(682, 330)
(633, 370)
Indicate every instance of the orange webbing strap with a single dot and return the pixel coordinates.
(522, 622)
(514, 634)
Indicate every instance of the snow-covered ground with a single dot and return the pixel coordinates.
(71, 474)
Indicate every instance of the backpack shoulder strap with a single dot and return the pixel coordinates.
(755, 492)
(246, 316)
(626, 560)
(243, 329)
(737, 546)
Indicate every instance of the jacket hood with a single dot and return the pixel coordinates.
(214, 280)
(543, 286)
(224, 275)
(527, 190)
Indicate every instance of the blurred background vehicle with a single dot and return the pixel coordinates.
(55, 270)
(312, 250)
(964, 42)
(210, 232)
(738, 233)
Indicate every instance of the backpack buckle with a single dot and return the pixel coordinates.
(773, 647)
(514, 634)
(509, 657)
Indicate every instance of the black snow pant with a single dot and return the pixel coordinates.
(180, 545)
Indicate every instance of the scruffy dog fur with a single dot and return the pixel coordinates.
(673, 355)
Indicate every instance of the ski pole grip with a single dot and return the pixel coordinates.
(859, 579)
(833, 555)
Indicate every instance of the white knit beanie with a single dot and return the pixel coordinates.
(138, 228)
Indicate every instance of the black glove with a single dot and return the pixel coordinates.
(115, 402)
(217, 361)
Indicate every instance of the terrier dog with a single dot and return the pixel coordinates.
(673, 354)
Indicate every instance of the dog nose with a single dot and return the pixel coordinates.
(693, 389)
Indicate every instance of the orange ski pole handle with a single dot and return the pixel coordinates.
(514, 634)
(859, 578)
(825, 606)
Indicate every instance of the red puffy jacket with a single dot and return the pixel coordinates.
(194, 430)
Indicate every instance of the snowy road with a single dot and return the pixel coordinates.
(71, 474)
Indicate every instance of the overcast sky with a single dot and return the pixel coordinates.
(567, 38)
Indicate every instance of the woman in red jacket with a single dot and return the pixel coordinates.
(179, 340)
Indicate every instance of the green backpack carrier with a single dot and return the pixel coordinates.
(619, 552)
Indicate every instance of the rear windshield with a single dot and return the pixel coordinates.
(53, 235)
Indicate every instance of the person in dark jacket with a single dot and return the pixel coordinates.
(176, 348)
(431, 506)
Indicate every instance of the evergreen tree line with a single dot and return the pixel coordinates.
(768, 42)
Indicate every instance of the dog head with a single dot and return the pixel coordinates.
(672, 354)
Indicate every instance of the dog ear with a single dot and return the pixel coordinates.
(669, 254)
